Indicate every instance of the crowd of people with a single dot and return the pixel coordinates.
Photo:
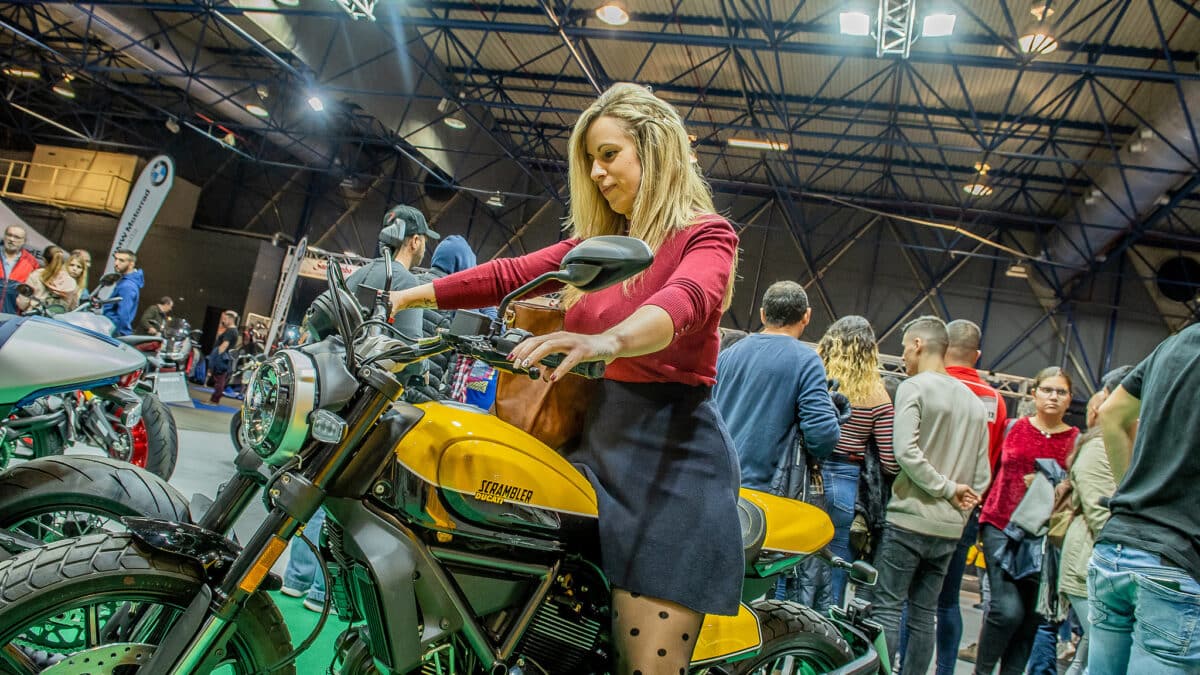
(948, 470)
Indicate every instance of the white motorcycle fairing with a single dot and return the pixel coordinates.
(40, 356)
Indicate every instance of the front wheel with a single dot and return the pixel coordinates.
(796, 639)
(103, 603)
(54, 498)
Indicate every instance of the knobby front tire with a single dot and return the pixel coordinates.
(53, 598)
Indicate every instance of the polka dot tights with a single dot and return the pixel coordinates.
(652, 636)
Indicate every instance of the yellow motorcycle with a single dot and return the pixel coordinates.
(454, 542)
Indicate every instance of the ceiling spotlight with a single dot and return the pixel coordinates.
(854, 23)
(257, 110)
(613, 14)
(288, 3)
(24, 73)
(63, 88)
(938, 25)
(1017, 271)
(1037, 38)
(316, 103)
(229, 139)
(172, 125)
(979, 186)
(496, 200)
(263, 92)
(755, 144)
(454, 123)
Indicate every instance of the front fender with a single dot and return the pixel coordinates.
(211, 552)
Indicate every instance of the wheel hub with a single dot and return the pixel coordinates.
(103, 659)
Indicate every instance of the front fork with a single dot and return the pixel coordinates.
(295, 496)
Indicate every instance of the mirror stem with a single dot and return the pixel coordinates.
(498, 325)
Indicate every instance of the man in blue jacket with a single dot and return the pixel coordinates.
(128, 288)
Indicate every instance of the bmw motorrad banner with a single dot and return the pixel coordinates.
(145, 199)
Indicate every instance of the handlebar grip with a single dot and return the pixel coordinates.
(590, 369)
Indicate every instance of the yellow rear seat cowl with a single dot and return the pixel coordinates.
(792, 526)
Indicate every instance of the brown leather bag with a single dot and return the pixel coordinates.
(551, 412)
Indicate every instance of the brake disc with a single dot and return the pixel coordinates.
(102, 659)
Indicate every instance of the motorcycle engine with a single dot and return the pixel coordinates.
(565, 635)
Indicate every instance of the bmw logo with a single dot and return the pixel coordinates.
(158, 173)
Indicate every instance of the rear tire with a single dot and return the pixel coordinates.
(162, 438)
(47, 592)
(793, 631)
(40, 489)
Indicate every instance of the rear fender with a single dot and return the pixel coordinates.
(725, 638)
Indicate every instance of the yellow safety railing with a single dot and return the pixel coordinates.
(63, 186)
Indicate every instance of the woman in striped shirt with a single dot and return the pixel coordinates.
(851, 357)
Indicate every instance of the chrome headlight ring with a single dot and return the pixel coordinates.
(280, 396)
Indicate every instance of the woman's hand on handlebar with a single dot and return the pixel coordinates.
(575, 348)
(417, 297)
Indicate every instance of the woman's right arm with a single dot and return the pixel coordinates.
(487, 284)
(417, 297)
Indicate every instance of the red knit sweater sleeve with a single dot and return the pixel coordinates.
(696, 287)
(487, 284)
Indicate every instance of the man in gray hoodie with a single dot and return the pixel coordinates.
(940, 441)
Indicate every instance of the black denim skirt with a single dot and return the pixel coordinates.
(666, 478)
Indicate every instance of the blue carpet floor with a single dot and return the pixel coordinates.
(205, 405)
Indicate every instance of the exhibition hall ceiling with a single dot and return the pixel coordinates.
(1073, 119)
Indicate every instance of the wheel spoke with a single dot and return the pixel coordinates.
(91, 626)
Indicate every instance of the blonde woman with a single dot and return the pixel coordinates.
(665, 474)
(851, 357)
(53, 287)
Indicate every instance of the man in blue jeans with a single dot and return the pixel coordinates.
(940, 441)
(303, 576)
(1142, 583)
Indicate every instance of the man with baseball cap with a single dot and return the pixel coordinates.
(405, 232)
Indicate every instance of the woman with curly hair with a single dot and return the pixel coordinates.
(851, 357)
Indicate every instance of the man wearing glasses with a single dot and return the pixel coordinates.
(128, 288)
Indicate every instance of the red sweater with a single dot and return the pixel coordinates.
(687, 279)
(1022, 446)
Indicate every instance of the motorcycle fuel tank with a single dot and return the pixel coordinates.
(39, 356)
(490, 471)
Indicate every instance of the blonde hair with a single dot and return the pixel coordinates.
(851, 357)
(81, 280)
(57, 263)
(679, 193)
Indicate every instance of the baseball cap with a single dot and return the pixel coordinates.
(401, 222)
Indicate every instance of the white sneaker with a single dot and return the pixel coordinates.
(314, 605)
(292, 592)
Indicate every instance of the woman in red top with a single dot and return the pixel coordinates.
(1009, 627)
(653, 446)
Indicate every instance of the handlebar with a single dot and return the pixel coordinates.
(590, 369)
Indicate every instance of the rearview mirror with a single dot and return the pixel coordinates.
(596, 263)
(600, 262)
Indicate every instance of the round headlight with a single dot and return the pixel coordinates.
(279, 398)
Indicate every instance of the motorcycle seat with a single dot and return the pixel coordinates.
(754, 528)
